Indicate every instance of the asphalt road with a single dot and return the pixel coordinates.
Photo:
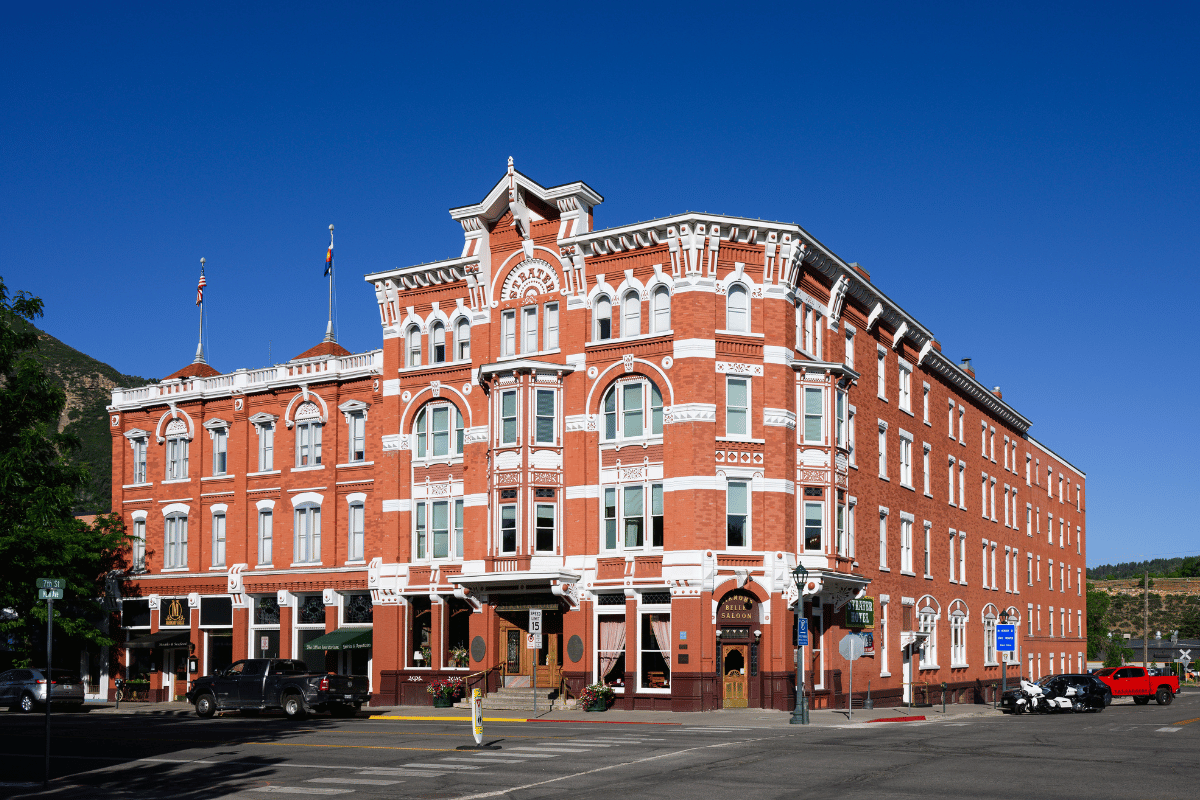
(1125, 752)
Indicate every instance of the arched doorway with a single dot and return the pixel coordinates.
(737, 616)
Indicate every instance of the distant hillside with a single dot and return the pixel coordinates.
(1159, 567)
(87, 383)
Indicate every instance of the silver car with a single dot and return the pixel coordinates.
(25, 690)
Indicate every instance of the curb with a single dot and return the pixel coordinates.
(519, 719)
(895, 719)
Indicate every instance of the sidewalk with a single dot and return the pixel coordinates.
(740, 718)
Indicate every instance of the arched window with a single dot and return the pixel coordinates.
(958, 633)
(414, 346)
(632, 409)
(437, 343)
(308, 435)
(434, 434)
(462, 339)
(662, 310)
(603, 318)
(737, 309)
(928, 611)
(631, 314)
(177, 450)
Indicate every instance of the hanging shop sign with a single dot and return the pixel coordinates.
(173, 612)
(861, 613)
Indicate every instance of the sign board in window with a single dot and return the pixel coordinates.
(135, 613)
(173, 612)
(216, 612)
(861, 613)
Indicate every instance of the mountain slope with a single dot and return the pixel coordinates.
(88, 383)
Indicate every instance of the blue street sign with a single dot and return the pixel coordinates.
(1006, 638)
(802, 632)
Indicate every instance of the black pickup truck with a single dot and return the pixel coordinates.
(260, 684)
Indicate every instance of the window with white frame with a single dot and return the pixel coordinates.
(137, 547)
(883, 539)
(950, 424)
(602, 318)
(882, 449)
(544, 417)
(438, 429)
(958, 638)
(307, 534)
(814, 526)
(633, 517)
(992, 495)
(992, 444)
(983, 495)
(508, 528)
(905, 373)
(962, 558)
(925, 404)
(811, 342)
(927, 623)
(849, 358)
(983, 438)
(737, 514)
(551, 327)
(414, 346)
(544, 539)
(737, 309)
(175, 541)
(438, 528)
(850, 446)
(265, 535)
(633, 408)
(508, 332)
(437, 343)
(661, 311)
(906, 543)
(962, 412)
(840, 420)
(356, 531)
(925, 457)
(177, 450)
(529, 329)
(1004, 452)
(906, 443)
(218, 538)
(989, 638)
(883, 635)
(840, 523)
(631, 314)
(654, 648)
(928, 549)
(462, 339)
(1006, 507)
(356, 430)
(962, 485)
(508, 416)
(950, 479)
(814, 415)
(881, 373)
(308, 435)
(264, 425)
(139, 444)
(610, 644)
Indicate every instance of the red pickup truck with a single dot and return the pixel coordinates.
(1134, 682)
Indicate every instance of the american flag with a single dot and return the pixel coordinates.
(200, 290)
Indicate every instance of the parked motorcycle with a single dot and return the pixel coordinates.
(1066, 700)
(1028, 698)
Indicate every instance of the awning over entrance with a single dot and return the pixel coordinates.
(342, 639)
(162, 639)
(560, 583)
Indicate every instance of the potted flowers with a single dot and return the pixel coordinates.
(596, 697)
(445, 692)
(458, 656)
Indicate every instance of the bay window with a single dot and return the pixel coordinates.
(508, 417)
(737, 514)
(814, 525)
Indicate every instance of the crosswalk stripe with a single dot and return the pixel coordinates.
(490, 760)
(275, 789)
(556, 750)
(1168, 730)
(357, 781)
(581, 743)
(440, 765)
(492, 756)
(389, 772)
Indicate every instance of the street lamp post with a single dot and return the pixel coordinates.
(1004, 658)
(800, 713)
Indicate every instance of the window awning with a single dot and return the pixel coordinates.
(342, 639)
(181, 638)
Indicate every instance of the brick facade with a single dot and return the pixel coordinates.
(651, 490)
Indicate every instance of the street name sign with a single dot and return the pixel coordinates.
(51, 583)
(50, 594)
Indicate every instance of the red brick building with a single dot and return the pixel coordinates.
(639, 431)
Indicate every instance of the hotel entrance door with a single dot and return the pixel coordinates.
(733, 661)
(516, 668)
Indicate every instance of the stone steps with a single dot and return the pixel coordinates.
(518, 699)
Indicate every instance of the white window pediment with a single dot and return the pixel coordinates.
(262, 418)
(349, 407)
(175, 428)
(136, 433)
(216, 423)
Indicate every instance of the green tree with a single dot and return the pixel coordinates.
(39, 536)
(1189, 623)
(1115, 651)
(1097, 622)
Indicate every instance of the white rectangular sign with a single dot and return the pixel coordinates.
(535, 621)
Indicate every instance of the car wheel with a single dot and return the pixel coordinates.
(206, 706)
(293, 707)
(1163, 696)
(27, 703)
(1107, 699)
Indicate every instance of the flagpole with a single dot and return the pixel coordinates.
(200, 346)
(329, 326)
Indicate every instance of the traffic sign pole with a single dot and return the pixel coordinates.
(49, 683)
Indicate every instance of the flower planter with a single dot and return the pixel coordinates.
(443, 702)
(597, 707)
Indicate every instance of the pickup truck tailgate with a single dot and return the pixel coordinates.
(347, 684)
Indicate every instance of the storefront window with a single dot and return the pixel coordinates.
(610, 653)
(310, 624)
(656, 651)
(358, 610)
(420, 617)
(458, 634)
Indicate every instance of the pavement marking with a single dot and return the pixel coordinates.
(522, 755)
(1187, 721)
(356, 746)
(1168, 730)
(274, 789)
(556, 749)
(180, 760)
(453, 719)
(577, 743)
(490, 760)
(389, 772)
(363, 781)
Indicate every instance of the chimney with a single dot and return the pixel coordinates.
(996, 391)
(966, 365)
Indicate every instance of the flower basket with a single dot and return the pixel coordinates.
(596, 697)
(445, 692)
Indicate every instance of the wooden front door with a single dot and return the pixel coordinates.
(733, 664)
(516, 666)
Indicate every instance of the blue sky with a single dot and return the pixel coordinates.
(1022, 178)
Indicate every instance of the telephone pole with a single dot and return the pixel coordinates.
(1146, 620)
